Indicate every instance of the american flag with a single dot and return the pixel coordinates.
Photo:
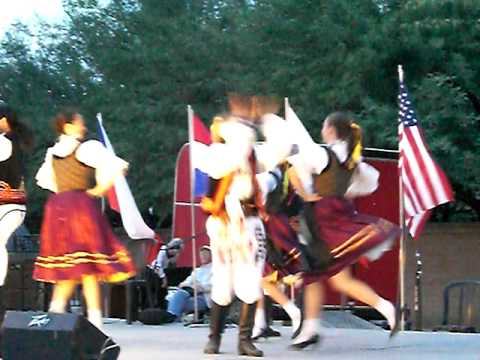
(424, 183)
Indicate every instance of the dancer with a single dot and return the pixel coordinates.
(15, 139)
(325, 177)
(77, 244)
(285, 255)
(236, 232)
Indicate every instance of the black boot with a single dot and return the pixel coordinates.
(245, 326)
(218, 315)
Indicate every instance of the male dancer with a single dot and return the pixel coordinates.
(236, 232)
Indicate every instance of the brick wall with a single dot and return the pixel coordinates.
(449, 252)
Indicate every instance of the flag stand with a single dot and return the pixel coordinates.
(192, 212)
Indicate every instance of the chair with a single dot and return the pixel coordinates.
(461, 313)
(133, 288)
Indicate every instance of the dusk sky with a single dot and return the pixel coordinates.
(29, 11)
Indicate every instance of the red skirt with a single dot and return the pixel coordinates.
(76, 240)
(284, 253)
(347, 234)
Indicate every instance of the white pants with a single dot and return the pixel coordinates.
(238, 258)
(11, 217)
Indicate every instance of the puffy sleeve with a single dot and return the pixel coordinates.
(45, 176)
(364, 181)
(278, 143)
(312, 159)
(108, 167)
(222, 159)
(267, 182)
(5, 148)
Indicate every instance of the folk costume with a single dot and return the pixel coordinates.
(340, 235)
(12, 199)
(236, 232)
(285, 254)
(76, 239)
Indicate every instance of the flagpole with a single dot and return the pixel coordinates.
(192, 211)
(403, 236)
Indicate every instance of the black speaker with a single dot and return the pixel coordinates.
(50, 336)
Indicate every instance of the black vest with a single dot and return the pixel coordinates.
(334, 179)
(12, 170)
(71, 174)
(276, 199)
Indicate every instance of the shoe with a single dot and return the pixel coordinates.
(213, 346)
(266, 333)
(169, 317)
(313, 340)
(396, 327)
(269, 332)
(296, 332)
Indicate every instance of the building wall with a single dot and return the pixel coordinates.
(449, 252)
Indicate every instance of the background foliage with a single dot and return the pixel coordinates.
(140, 62)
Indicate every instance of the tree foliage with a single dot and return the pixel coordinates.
(140, 62)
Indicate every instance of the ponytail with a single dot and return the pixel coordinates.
(355, 146)
(348, 131)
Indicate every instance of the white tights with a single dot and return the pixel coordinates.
(11, 217)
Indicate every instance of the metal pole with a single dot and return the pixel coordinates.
(192, 213)
(401, 253)
(401, 257)
(418, 308)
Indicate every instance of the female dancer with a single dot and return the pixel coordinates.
(77, 244)
(324, 177)
(15, 138)
(285, 255)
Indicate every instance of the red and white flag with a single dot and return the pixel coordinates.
(425, 185)
(121, 199)
(199, 139)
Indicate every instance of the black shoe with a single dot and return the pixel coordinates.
(266, 333)
(314, 339)
(398, 318)
(269, 332)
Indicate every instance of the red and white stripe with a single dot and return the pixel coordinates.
(425, 186)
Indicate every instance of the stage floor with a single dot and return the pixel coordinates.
(176, 342)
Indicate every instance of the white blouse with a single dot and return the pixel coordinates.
(314, 159)
(5, 147)
(92, 153)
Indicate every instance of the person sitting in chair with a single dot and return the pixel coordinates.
(182, 300)
(155, 275)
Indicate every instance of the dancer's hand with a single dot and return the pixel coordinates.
(93, 192)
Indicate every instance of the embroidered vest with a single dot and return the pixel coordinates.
(71, 174)
(334, 179)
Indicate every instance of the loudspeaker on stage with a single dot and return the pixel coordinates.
(51, 336)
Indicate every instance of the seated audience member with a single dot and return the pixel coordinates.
(182, 300)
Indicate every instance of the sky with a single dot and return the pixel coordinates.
(29, 11)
